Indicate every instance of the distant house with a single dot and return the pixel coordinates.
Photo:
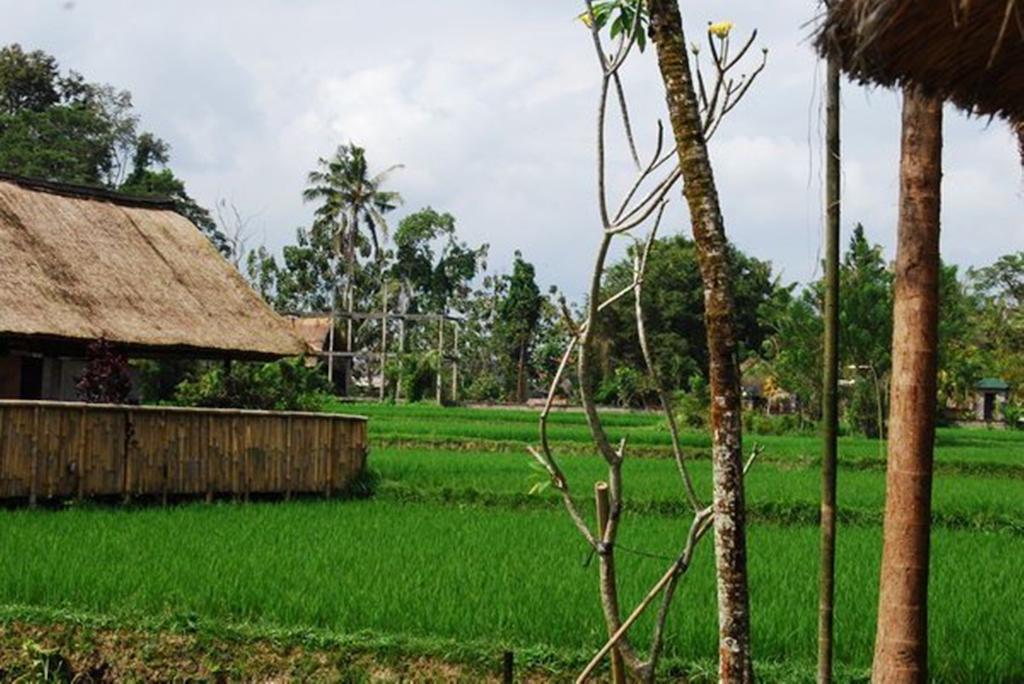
(761, 391)
(78, 264)
(990, 396)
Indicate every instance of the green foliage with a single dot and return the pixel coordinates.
(692, 407)
(418, 376)
(433, 267)
(282, 385)
(1013, 414)
(185, 563)
(621, 18)
(518, 313)
(673, 302)
(63, 128)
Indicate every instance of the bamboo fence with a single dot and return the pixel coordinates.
(60, 450)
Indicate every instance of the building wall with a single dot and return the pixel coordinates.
(999, 401)
(59, 377)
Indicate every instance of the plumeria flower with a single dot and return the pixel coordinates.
(720, 29)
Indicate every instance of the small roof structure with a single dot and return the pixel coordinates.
(992, 385)
(970, 52)
(313, 330)
(78, 263)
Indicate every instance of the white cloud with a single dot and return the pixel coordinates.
(491, 106)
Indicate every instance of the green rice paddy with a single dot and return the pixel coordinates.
(453, 547)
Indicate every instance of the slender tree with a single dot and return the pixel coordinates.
(351, 201)
(690, 131)
(901, 646)
(830, 378)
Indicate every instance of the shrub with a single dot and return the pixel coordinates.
(1013, 414)
(287, 385)
(693, 407)
(106, 378)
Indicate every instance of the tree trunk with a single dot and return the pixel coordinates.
(901, 646)
(735, 663)
(830, 379)
(521, 375)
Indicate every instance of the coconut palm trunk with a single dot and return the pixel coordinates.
(901, 646)
(735, 664)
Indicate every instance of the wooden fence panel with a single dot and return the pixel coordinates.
(57, 450)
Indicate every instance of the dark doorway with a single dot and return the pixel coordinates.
(990, 406)
(31, 377)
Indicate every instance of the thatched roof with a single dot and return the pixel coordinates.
(313, 330)
(968, 51)
(77, 264)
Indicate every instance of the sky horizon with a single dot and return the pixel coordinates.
(490, 107)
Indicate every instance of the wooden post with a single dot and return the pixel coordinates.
(440, 357)
(126, 480)
(401, 357)
(330, 350)
(80, 465)
(507, 667)
(288, 459)
(34, 482)
(830, 379)
(603, 508)
(455, 366)
(209, 459)
(246, 451)
(383, 338)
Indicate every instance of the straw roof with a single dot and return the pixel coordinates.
(968, 51)
(313, 330)
(77, 264)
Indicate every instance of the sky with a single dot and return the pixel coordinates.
(490, 106)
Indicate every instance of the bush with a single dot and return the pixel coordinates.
(485, 387)
(282, 386)
(693, 408)
(1013, 414)
(106, 378)
(787, 424)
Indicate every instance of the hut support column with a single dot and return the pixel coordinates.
(901, 646)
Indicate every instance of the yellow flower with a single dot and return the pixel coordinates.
(721, 29)
(585, 18)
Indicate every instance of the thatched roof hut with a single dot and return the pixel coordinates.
(77, 264)
(970, 52)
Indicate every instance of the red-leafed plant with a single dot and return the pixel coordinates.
(106, 378)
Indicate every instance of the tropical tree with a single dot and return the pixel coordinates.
(59, 127)
(901, 645)
(352, 205)
(674, 302)
(694, 117)
(518, 314)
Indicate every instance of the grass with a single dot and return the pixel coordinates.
(453, 559)
(429, 423)
(514, 578)
(654, 485)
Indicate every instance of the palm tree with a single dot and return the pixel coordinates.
(350, 200)
(901, 642)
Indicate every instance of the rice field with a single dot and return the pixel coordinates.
(453, 547)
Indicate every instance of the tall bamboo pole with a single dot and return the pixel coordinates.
(830, 393)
